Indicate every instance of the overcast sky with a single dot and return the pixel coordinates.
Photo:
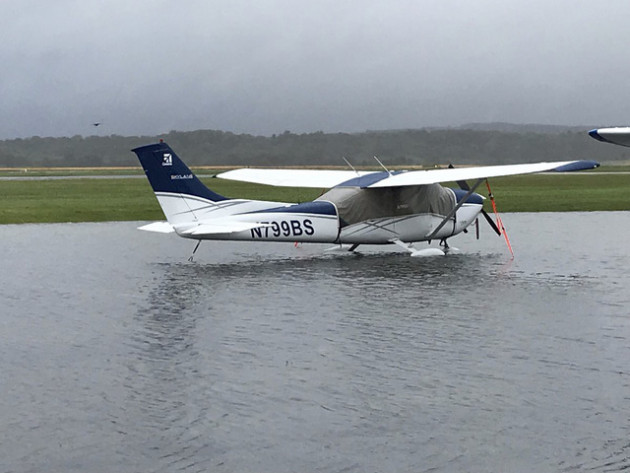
(266, 66)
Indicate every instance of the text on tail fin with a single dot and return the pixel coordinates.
(169, 174)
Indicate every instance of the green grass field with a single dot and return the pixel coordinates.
(97, 200)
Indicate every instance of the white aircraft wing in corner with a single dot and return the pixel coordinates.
(616, 136)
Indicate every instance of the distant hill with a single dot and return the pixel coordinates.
(527, 128)
(492, 143)
(503, 127)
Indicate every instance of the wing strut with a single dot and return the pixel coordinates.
(194, 251)
(499, 221)
(455, 209)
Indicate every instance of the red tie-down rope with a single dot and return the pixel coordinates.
(498, 218)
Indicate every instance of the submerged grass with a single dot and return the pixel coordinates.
(97, 200)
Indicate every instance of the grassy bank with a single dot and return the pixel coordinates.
(95, 200)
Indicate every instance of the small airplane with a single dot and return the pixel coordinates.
(360, 207)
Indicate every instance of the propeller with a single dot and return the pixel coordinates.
(464, 186)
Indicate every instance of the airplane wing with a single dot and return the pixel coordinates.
(327, 179)
(414, 178)
(318, 178)
(617, 135)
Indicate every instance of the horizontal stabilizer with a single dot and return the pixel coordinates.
(222, 227)
(158, 227)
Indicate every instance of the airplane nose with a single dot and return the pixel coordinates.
(473, 198)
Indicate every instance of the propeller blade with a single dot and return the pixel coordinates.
(491, 222)
(464, 186)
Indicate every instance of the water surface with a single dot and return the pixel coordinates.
(119, 355)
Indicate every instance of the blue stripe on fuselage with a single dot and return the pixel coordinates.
(320, 207)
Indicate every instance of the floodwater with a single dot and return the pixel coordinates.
(117, 354)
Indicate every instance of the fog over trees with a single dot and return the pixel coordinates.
(470, 144)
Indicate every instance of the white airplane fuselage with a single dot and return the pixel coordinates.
(286, 222)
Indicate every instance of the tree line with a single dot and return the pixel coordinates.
(474, 145)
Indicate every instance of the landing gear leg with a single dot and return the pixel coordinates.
(446, 248)
(353, 247)
(194, 251)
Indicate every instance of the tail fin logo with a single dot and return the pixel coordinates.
(167, 159)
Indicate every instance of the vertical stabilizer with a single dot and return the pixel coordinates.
(180, 193)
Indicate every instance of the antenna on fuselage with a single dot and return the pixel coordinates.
(351, 166)
(383, 166)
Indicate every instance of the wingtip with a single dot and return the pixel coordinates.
(577, 166)
(594, 134)
(615, 135)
